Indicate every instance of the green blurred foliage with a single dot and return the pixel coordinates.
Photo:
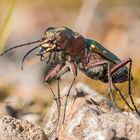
(4, 92)
(107, 4)
(62, 4)
(4, 26)
(66, 4)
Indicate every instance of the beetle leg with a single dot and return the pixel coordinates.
(73, 69)
(86, 57)
(92, 65)
(58, 71)
(59, 103)
(62, 72)
(53, 72)
(58, 108)
(123, 98)
(49, 76)
(117, 67)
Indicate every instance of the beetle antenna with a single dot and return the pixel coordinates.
(30, 52)
(27, 55)
(18, 46)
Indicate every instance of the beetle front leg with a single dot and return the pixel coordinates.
(59, 75)
(53, 73)
(62, 72)
(57, 72)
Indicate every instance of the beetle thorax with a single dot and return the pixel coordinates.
(75, 47)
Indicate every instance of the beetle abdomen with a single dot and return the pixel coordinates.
(120, 75)
(96, 73)
(100, 73)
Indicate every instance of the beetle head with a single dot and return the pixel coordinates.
(55, 39)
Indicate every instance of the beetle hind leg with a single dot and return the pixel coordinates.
(123, 97)
(117, 67)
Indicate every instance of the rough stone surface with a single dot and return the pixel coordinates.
(14, 129)
(31, 117)
(89, 116)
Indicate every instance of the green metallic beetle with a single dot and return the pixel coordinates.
(74, 52)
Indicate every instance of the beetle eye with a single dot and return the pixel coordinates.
(48, 29)
(60, 36)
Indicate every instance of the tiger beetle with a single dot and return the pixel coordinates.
(75, 52)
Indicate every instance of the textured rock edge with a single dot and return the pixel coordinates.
(15, 129)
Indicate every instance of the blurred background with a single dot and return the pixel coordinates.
(115, 24)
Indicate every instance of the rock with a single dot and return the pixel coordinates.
(10, 106)
(14, 101)
(14, 129)
(6, 109)
(31, 117)
(90, 116)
